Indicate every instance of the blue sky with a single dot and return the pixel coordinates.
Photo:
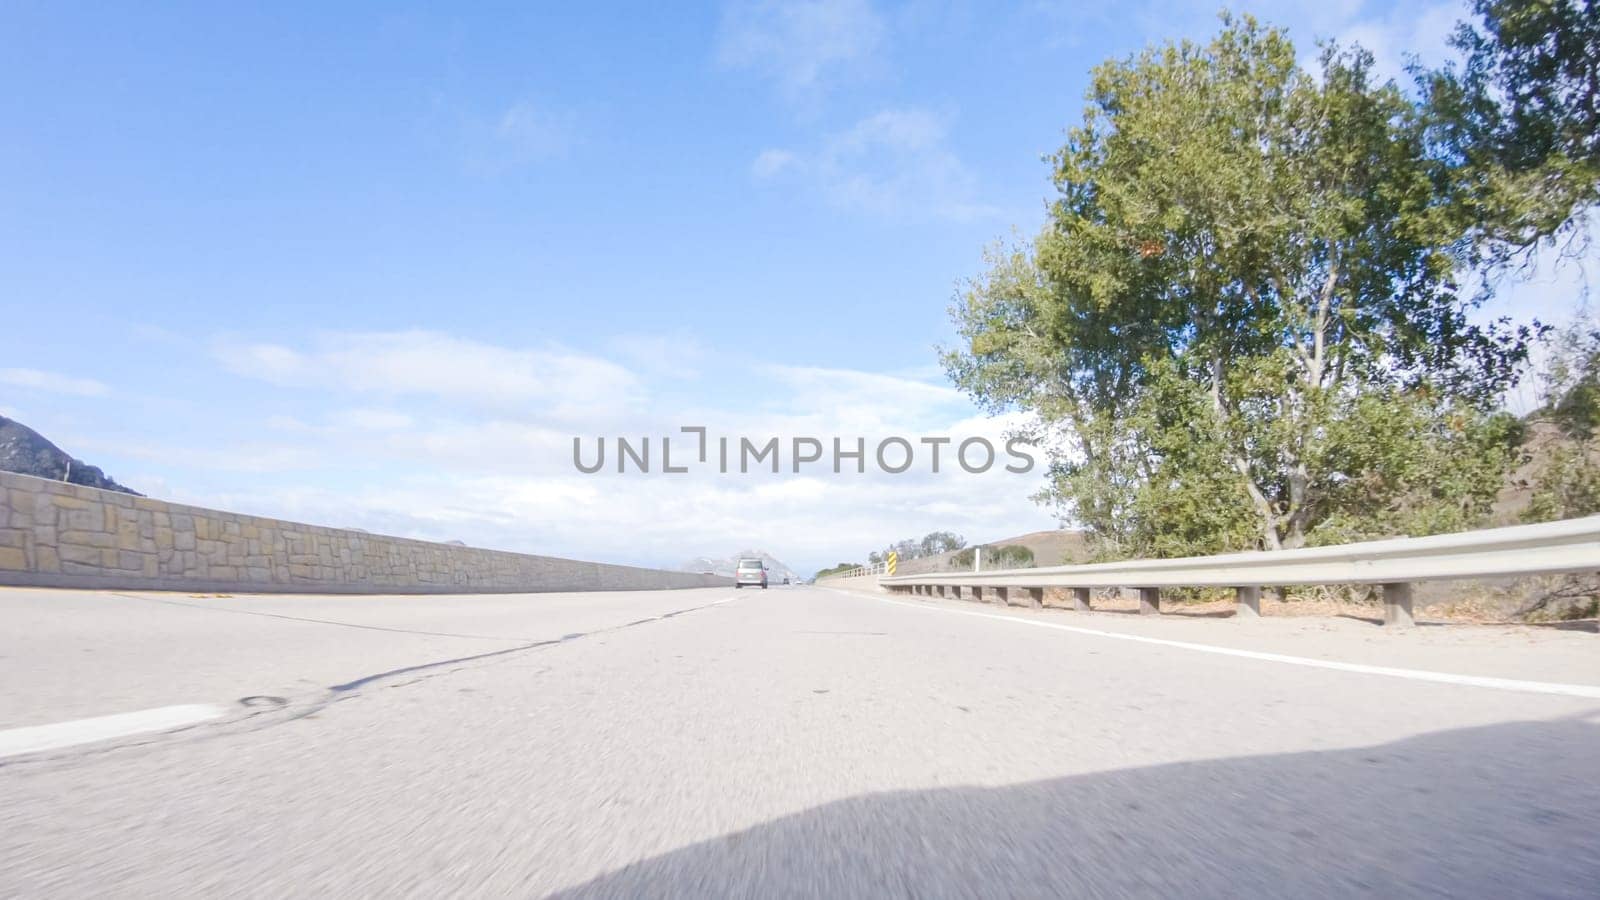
(374, 265)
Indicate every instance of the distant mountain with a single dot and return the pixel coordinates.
(777, 570)
(27, 452)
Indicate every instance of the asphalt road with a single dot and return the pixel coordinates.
(789, 742)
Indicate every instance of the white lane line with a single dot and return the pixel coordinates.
(1590, 692)
(35, 738)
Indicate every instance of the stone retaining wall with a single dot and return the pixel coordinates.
(54, 534)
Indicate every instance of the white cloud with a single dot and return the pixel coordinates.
(895, 164)
(1421, 32)
(865, 401)
(249, 456)
(1391, 32)
(496, 141)
(548, 380)
(446, 465)
(802, 45)
(671, 354)
(53, 382)
(376, 419)
(772, 162)
(531, 132)
(808, 520)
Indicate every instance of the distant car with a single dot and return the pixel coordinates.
(785, 579)
(751, 572)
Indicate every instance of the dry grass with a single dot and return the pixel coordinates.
(1484, 606)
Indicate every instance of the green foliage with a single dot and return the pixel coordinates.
(1519, 119)
(1572, 380)
(1567, 481)
(1444, 477)
(935, 542)
(836, 569)
(1567, 484)
(931, 544)
(1241, 327)
(1008, 556)
(1003, 556)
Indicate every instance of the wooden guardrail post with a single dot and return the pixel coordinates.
(1080, 599)
(1249, 603)
(1149, 601)
(1397, 605)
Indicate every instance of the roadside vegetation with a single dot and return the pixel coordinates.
(931, 544)
(1253, 317)
(1250, 322)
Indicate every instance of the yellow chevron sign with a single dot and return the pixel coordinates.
(890, 563)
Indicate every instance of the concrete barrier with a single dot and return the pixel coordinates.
(863, 581)
(54, 534)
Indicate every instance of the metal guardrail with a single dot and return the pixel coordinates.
(1550, 548)
(857, 572)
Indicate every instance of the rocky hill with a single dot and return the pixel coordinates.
(777, 570)
(27, 452)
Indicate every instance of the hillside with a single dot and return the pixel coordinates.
(1055, 547)
(778, 570)
(27, 452)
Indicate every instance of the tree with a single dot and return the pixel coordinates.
(1249, 268)
(834, 570)
(931, 544)
(999, 556)
(936, 542)
(1518, 119)
(1572, 380)
(1567, 478)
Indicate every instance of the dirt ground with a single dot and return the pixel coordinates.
(1468, 606)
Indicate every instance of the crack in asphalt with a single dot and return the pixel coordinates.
(336, 691)
(272, 711)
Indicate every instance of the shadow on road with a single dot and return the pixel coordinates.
(1499, 811)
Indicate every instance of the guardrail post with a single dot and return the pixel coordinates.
(1249, 603)
(1397, 605)
(1149, 601)
(1035, 597)
(1080, 599)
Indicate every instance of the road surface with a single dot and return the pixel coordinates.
(789, 742)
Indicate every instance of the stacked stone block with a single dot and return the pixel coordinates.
(66, 535)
